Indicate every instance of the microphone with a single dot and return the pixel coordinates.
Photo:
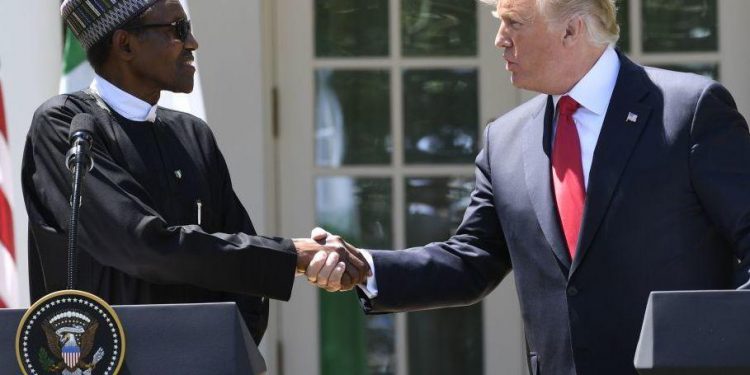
(79, 161)
(80, 136)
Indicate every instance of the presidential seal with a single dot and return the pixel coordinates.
(70, 332)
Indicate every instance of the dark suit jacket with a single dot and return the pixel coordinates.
(667, 208)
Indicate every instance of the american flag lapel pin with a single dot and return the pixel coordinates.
(632, 117)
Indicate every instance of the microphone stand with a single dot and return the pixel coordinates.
(79, 169)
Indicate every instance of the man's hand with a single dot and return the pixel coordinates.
(329, 262)
(318, 270)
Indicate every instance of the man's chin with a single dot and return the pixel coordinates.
(182, 89)
(516, 82)
(523, 84)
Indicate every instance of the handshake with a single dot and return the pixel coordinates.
(329, 262)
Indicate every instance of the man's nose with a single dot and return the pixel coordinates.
(501, 39)
(191, 43)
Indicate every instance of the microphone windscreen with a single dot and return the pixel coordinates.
(82, 122)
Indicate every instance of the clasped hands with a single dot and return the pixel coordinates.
(329, 262)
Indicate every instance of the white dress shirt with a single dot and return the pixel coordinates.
(593, 93)
(125, 104)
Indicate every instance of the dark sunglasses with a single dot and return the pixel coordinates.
(182, 28)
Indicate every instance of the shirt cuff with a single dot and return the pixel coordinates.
(370, 288)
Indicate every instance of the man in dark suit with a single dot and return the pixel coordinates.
(617, 181)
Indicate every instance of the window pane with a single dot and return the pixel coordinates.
(679, 25)
(446, 341)
(352, 117)
(351, 28)
(439, 27)
(624, 21)
(706, 70)
(359, 210)
(440, 116)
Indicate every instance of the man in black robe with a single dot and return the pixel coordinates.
(160, 222)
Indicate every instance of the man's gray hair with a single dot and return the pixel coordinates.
(599, 16)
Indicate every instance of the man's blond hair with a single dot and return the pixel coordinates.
(599, 16)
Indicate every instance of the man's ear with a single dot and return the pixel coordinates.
(574, 30)
(122, 45)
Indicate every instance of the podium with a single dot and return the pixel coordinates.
(695, 333)
(187, 339)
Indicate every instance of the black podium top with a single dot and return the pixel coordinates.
(695, 332)
(186, 339)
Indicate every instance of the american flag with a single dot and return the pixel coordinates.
(8, 271)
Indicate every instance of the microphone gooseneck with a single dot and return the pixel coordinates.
(78, 160)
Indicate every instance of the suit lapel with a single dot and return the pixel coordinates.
(537, 135)
(624, 122)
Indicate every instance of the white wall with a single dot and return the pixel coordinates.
(735, 51)
(30, 45)
(231, 59)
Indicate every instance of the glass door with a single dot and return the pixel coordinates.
(382, 104)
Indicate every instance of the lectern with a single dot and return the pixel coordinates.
(695, 332)
(184, 339)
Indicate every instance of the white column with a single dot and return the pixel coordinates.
(30, 67)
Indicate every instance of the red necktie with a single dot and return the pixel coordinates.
(567, 173)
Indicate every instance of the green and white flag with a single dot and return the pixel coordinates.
(78, 74)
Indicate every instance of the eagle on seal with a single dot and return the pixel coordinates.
(63, 343)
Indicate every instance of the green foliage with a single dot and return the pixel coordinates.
(351, 28)
(439, 27)
(46, 361)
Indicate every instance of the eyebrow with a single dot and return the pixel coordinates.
(514, 15)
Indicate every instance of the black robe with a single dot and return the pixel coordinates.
(139, 239)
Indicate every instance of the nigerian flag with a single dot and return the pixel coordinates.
(78, 74)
